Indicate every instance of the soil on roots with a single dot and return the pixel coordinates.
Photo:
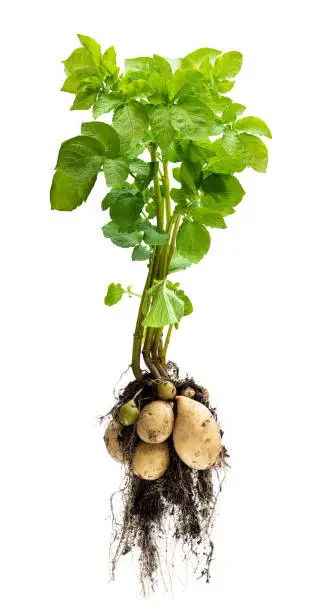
(180, 504)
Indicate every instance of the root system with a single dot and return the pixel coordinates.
(179, 507)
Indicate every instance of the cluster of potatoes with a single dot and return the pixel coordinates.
(196, 434)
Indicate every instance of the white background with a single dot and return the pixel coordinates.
(256, 338)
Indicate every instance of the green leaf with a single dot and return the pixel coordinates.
(81, 157)
(143, 171)
(117, 193)
(255, 152)
(162, 66)
(190, 175)
(92, 46)
(223, 86)
(223, 162)
(177, 174)
(125, 208)
(84, 100)
(105, 103)
(109, 60)
(151, 235)
(162, 129)
(232, 144)
(139, 64)
(166, 307)
(192, 118)
(215, 101)
(193, 240)
(228, 65)
(184, 82)
(232, 111)
(105, 134)
(106, 201)
(225, 189)
(200, 151)
(141, 253)
(253, 125)
(116, 171)
(121, 238)
(200, 55)
(178, 262)
(208, 217)
(75, 80)
(139, 88)
(140, 168)
(79, 59)
(188, 306)
(159, 85)
(114, 294)
(131, 122)
(178, 196)
(66, 194)
(222, 208)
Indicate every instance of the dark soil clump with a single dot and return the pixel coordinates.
(180, 504)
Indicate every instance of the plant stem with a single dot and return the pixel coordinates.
(169, 221)
(164, 352)
(155, 351)
(147, 353)
(138, 333)
(133, 293)
(167, 193)
(172, 246)
(159, 203)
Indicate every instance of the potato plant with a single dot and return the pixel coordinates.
(170, 143)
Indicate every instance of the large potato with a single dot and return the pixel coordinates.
(196, 434)
(150, 461)
(112, 442)
(155, 422)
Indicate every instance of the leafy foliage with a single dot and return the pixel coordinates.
(155, 114)
(114, 294)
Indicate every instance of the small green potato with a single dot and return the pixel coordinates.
(166, 390)
(129, 413)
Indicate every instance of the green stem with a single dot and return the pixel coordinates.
(155, 350)
(172, 246)
(167, 193)
(129, 292)
(159, 203)
(147, 352)
(138, 333)
(169, 222)
(164, 352)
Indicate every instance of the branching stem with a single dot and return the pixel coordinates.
(153, 349)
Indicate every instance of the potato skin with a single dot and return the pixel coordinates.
(196, 434)
(166, 390)
(150, 461)
(111, 441)
(155, 422)
(188, 392)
